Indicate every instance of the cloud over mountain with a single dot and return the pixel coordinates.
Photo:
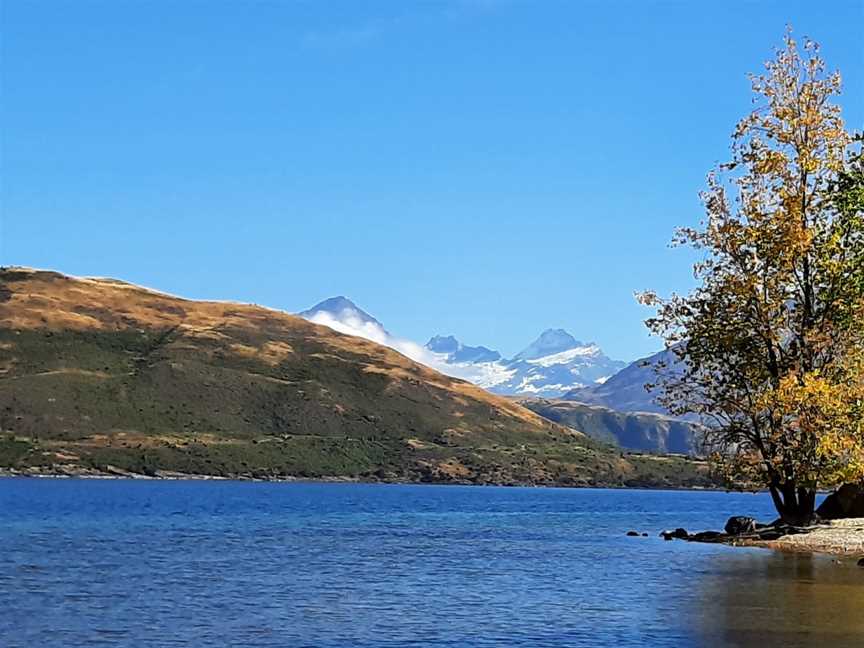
(551, 365)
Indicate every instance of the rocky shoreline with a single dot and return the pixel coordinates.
(838, 537)
(838, 529)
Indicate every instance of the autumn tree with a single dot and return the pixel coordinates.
(768, 348)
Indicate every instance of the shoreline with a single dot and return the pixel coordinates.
(113, 472)
(838, 537)
(842, 537)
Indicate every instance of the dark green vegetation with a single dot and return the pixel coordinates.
(634, 430)
(102, 375)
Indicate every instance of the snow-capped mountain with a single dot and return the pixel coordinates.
(553, 364)
(556, 363)
(551, 342)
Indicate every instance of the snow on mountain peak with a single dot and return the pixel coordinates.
(551, 341)
(553, 364)
(569, 355)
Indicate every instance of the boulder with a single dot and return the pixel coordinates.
(633, 534)
(846, 502)
(740, 524)
(708, 536)
(678, 533)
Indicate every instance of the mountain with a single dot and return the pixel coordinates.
(625, 391)
(102, 375)
(456, 352)
(340, 309)
(550, 366)
(551, 342)
(343, 315)
(556, 363)
(632, 430)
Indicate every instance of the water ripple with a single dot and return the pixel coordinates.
(140, 564)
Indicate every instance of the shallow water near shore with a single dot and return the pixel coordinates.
(155, 563)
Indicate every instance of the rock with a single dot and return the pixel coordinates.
(846, 502)
(740, 524)
(644, 535)
(678, 533)
(707, 536)
(633, 534)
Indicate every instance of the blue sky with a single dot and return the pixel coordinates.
(482, 168)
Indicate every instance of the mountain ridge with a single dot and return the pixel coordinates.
(642, 431)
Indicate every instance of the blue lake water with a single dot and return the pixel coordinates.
(156, 563)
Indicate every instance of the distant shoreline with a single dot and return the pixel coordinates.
(162, 475)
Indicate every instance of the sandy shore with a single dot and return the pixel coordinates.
(839, 537)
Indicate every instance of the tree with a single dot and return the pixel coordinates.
(768, 347)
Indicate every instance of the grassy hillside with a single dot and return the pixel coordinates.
(97, 374)
(632, 430)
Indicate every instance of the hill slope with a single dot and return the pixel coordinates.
(97, 373)
(640, 431)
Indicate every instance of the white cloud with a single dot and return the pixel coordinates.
(485, 374)
(553, 374)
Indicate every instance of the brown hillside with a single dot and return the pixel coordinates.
(98, 372)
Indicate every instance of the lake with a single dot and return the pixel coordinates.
(210, 563)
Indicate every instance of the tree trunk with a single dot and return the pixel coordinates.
(796, 505)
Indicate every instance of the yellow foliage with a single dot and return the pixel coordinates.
(769, 343)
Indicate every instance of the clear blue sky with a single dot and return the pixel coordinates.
(482, 168)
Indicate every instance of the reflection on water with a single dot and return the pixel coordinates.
(771, 599)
